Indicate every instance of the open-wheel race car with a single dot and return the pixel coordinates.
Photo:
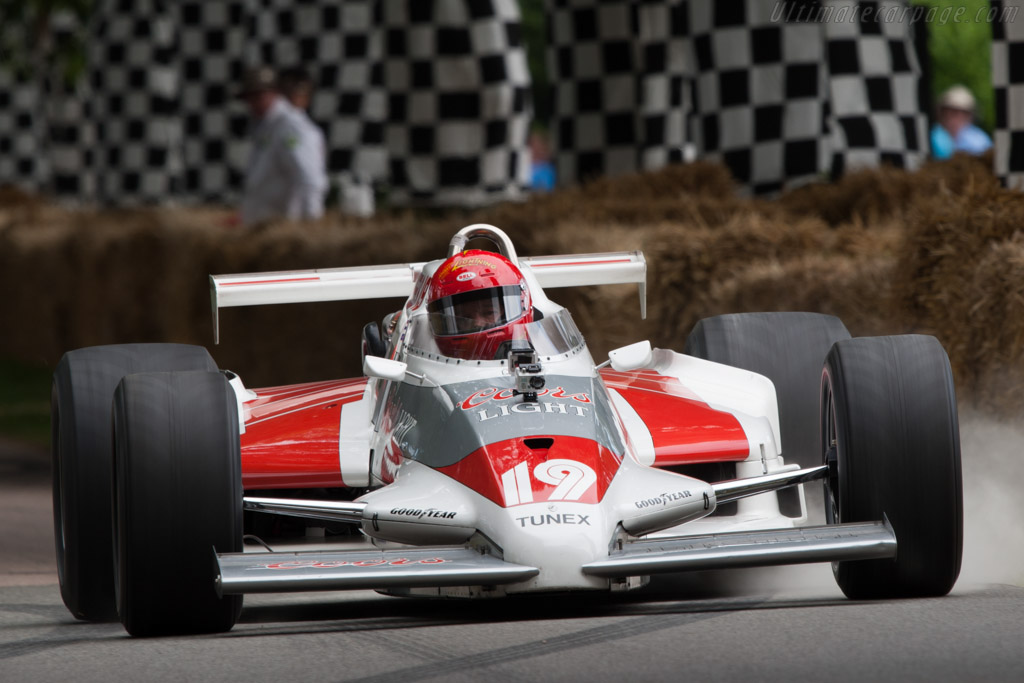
(484, 453)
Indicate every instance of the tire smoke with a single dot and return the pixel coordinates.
(992, 452)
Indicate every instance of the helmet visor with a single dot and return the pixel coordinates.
(475, 311)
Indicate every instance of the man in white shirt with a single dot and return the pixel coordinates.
(286, 175)
(296, 85)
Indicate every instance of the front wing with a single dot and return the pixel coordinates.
(271, 572)
(828, 543)
(263, 572)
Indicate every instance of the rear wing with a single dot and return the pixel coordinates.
(381, 282)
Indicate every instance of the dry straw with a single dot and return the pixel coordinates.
(888, 251)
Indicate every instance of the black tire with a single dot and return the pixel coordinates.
(81, 452)
(788, 349)
(891, 438)
(178, 480)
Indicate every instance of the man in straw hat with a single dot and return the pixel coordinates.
(286, 175)
(954, 130)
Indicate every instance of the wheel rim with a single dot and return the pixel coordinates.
(62, 547)
(59, 497)
(115, 511)
(830, 456)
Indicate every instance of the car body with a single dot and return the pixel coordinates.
(581, 486)
(530, 468)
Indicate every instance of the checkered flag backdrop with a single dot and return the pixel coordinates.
(877, 115)
(433, 97)
(22, 158)
(436, 94)
(212, 38)
(760, 92)
(783, 91)
(593, 66)
(134, 85)
(44, 141)
(70, 132)
(340, 44)
(458, 102)
(663, 89)
(1008, 79)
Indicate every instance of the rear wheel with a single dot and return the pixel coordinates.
(787, 348)
(81, 451)
(890, 435)
(178, 486)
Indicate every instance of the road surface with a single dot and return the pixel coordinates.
(782, 624)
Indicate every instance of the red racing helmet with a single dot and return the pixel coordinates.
(474, 301)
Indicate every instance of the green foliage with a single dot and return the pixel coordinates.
(960, 42)
(535, 37)
(34, 44)
(25, 401)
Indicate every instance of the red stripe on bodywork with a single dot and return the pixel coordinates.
(684, 428)
(291, 435)
(482, 469)
(271, 282)
(580, 263)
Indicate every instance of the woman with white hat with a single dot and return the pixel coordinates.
(954, 130)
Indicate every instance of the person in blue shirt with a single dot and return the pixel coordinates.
(954, 130)
(542, 171)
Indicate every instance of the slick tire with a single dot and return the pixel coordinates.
(788, 349)
(891, 438)
(178, 484)
(82, 451)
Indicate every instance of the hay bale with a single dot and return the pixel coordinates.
(886, 250)
(855, 290)
(984, 330)
(871, 196)
(699, 193)
(946, 238)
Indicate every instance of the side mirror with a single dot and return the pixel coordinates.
(384, 368)
(632, 357)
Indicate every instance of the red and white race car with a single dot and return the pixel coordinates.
(484, 452)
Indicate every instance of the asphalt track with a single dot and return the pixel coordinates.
(787, 624)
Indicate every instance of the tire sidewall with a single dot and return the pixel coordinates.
(82, 455)
(178, 498)
(898, 460)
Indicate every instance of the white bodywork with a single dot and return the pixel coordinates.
(557, 537)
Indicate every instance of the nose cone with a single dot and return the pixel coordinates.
(557, 538)
(539, 469)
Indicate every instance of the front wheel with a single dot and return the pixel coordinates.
(891, 438)
(81, 451)
(178, 485)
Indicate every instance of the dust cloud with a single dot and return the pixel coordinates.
(992, 452)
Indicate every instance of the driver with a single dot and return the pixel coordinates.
(475, 300)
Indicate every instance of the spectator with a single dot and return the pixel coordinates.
(542, 171)
(954, 130)
(296, 85)
(286, 175)
(355, 191)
